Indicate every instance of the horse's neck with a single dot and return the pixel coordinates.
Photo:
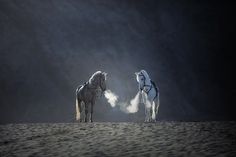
(148, 82)
(92, 85)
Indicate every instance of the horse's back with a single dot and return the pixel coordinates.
(155, 86)
(84, 93)
(80, 87)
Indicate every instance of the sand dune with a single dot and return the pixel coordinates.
(119, 139)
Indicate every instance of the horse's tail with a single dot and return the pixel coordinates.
(77, 106)
(77, 109)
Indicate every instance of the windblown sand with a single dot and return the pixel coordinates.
(119, 139)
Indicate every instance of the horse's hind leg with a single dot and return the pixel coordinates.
(153, 111)
(150, 114)
(157, 105)
(78, 108)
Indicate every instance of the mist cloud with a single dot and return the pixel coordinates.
(131, 107)
(111, 98)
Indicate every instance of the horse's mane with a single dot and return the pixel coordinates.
(94, 76)
(145, 74)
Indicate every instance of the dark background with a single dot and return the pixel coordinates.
(48, 48)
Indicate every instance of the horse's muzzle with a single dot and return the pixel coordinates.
(102, 93)
(103, 89)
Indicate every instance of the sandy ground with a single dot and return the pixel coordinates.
(119, 139)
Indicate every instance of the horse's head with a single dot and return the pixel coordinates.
(98, 80)
(102, 85)
(141, 78)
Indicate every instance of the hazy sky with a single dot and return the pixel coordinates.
(48, 48)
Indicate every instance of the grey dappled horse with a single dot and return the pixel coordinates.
(87, 94)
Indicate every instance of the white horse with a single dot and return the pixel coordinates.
(150, 95)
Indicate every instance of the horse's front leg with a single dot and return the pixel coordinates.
(91, 111)
(145, 106)
(86, 111)
(146, 114)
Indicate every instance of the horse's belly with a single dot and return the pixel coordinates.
(88, 96)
